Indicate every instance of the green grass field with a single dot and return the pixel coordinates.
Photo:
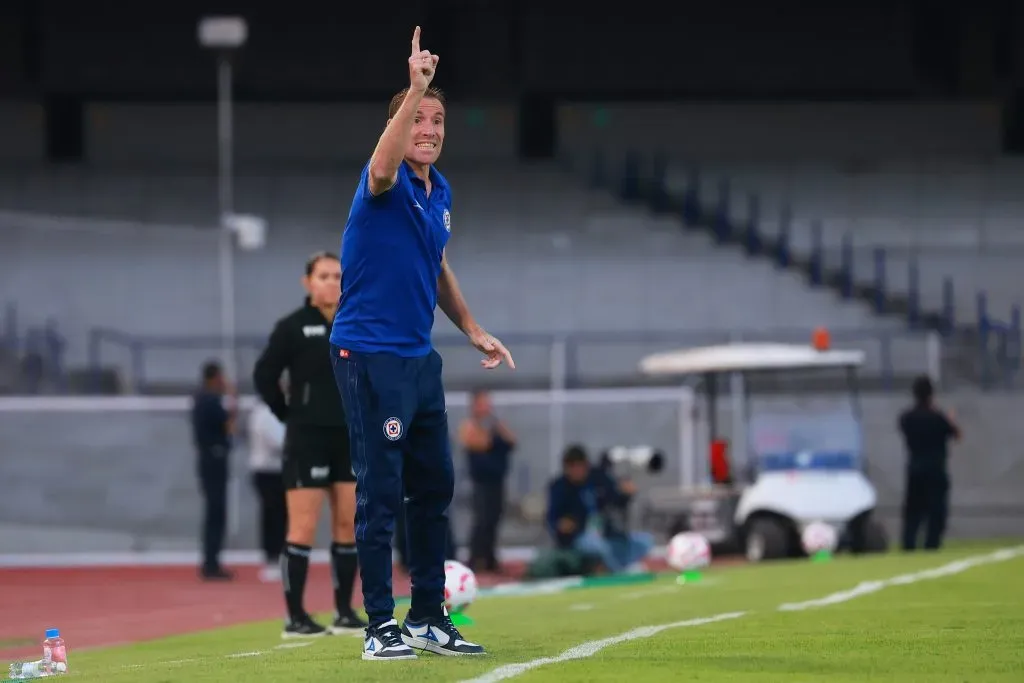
(965, 623)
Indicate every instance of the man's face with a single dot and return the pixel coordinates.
(576, 472)
(481, 405)
(218, 384)
(427, 133)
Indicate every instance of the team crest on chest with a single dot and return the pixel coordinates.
(447, 220)
(393, 429)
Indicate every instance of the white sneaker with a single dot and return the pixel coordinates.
(439, 636)
(384, 643)
(271, 573)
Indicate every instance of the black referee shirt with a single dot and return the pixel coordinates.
(300, 344)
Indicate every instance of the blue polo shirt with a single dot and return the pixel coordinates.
(390, 262)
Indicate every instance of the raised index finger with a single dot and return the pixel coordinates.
(416, 41)
(506, 355)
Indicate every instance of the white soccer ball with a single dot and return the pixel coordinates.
(688, 551)
(459, 586)
(819, 537)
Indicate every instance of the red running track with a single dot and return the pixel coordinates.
(103, 606)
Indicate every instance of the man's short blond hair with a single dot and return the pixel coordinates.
(399, 97)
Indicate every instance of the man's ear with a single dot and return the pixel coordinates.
(388, 123)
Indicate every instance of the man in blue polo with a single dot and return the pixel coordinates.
(394, 273)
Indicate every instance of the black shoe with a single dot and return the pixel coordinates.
(215, 574)
(346, 623)
(304, 627)
(438, 635)
(384, 643)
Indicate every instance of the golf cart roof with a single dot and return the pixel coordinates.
(746, 358)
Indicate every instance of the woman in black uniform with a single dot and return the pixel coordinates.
(316, 449)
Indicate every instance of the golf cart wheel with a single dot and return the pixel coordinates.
(867, 535)
(876, 537)
(766, 539)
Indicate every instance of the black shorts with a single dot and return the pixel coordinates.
(316, 457)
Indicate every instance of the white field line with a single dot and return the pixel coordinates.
(166, 662)
(869, 587)
(591, 648)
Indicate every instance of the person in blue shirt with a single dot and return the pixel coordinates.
(213, 427)
(394, 273)
(927, 431)
(582, 504)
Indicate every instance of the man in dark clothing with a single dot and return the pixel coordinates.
(212, 429)
(578, 502)
(926, 432)
(488, 442)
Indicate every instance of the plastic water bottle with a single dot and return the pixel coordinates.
(53, 663)
(37, 669)
(55, 653)
(23, 670)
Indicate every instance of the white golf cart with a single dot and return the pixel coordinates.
(793, 457)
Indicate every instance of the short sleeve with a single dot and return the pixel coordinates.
(364, 185)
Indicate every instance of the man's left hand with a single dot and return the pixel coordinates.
(493, 349)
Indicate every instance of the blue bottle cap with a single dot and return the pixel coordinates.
(53, 633)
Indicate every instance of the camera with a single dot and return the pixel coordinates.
(623, 459)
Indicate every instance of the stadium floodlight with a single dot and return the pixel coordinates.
(225, 35)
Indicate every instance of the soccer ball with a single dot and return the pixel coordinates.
(459, 586)
(688, 551)
(819, 537)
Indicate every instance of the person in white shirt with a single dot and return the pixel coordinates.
(266, 441)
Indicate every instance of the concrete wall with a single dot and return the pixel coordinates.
(22, 130)
(785, 132)
(116, 481)
(120, 134)
(157, 135)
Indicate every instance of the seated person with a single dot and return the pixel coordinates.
(578, 502)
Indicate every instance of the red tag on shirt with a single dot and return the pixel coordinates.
(343, 353)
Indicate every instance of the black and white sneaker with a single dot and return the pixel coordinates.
(384, 643)
(303, 628)
(346, 623)
(438, 635)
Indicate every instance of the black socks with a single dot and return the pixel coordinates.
(294, 569)
(344, 563)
